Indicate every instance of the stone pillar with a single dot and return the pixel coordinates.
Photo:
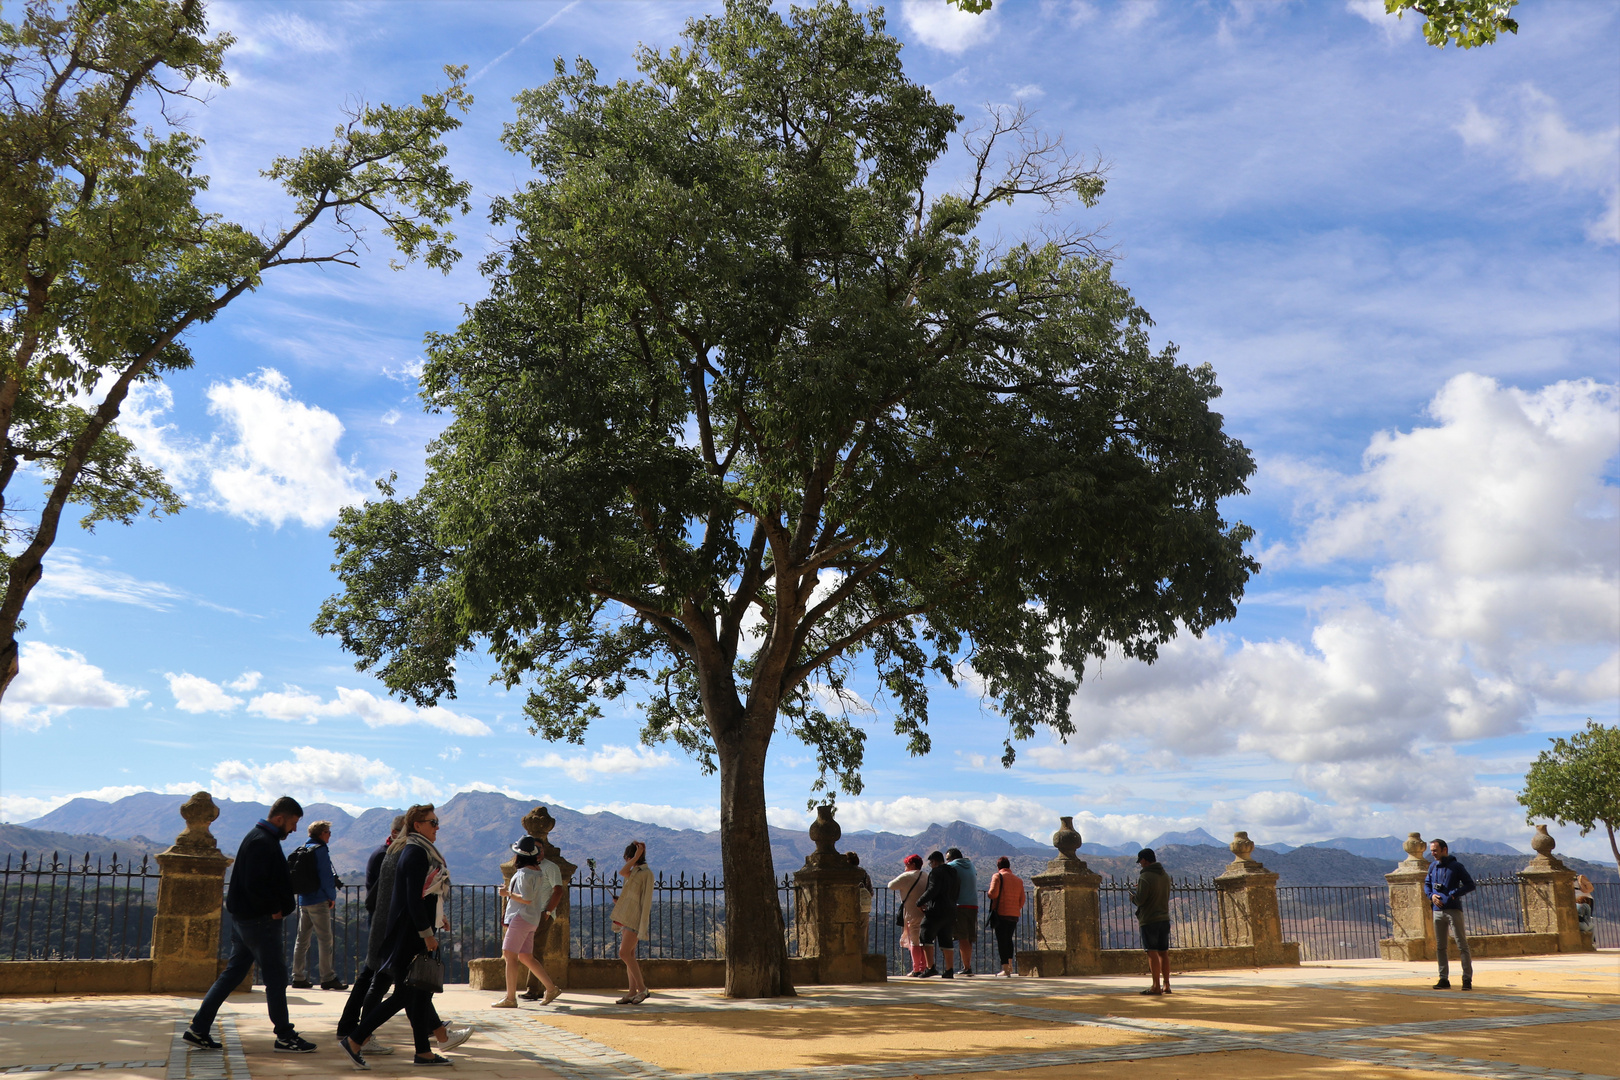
(1547, 890)
(1248, 899)
(832, 930)
(1410, 913)
(190, 903)
(1067, 915)
(550, 941)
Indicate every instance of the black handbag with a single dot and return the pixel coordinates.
(426, 973)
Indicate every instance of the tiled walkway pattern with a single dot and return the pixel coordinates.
(576, 1057)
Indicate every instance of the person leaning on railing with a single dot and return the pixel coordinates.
(1006, 896)
(260, 898)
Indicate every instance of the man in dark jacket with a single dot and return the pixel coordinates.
(1152, 899)
(1445, 885)
(938, 902)
(259, 898)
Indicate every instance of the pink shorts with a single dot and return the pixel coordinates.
(519, 937)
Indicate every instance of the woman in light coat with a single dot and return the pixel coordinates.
(910, 886)
(632, 915)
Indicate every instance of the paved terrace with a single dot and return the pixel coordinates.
(1529, 1017)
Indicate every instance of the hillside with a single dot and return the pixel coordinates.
(479, 826)
(17, 840)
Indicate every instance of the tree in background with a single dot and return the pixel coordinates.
(106, 260)
(744, 407)
(1467, 23)
(1578, 780)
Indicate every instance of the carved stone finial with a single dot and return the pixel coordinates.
(538, 823)
(1542, 844)
(1241, 847)
(825, 832)
(1414, 848)
(199, 812)
(1067, 839)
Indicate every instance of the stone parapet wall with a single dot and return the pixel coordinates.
(1481, 946)
(490, 974)
(75, 976)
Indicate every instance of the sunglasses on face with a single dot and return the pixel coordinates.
(431, 821)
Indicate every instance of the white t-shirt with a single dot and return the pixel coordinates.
(534, 884)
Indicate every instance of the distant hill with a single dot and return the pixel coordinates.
(1389, 847)
(479, 826)
(17, 841)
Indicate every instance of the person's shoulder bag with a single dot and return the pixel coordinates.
(426, 973)
(900, 916)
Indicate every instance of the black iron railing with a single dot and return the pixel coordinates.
(1495, 907)
(883, 936)
(1335, 922)
(351, 929)
(54, 910)
(1606, 914)
(1195, 915)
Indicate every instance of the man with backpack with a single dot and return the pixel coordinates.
(259, 898)
(310, 868)
(1446, 883)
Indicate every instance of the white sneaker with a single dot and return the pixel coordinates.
(375, 1047)
(458, 1035)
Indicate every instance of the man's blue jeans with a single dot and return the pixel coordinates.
(252, 941)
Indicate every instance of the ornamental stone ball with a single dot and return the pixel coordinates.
(1543, 842)
(1415, 847)
(1067, 839)
(1241, 847)
(825, 831)
(199, 812)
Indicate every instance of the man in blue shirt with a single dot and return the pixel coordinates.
(967, 906)
(1445, 886)
(315, 914)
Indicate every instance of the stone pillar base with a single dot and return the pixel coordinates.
(186, 928)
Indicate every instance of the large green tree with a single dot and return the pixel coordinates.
(745, 409)
(106, 260)
(1578, 780)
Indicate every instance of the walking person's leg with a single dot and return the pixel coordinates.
(236, 969)
(424, 1021)
(1006, 927)
(306, 929)
(354, 1006)
(376, 1016)
(271, 955)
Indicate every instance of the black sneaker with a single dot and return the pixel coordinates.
(966, 972)
(930, 973)
(947, 974)
(294, 1045)
(199, 1042)
(302, 984)
(1468, 984)
(354, 1055)
(334, 984)
(1443, 984)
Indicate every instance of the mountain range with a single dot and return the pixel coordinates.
(478, 827)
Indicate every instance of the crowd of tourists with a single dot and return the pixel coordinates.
(407, 887)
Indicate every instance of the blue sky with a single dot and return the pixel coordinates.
(1401, 261)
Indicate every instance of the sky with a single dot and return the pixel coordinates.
(1403, 263)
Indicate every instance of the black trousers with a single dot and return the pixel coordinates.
(369, 990)
(418, 1006)
(1006, 926)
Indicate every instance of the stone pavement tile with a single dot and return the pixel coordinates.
(721, 1041)
(1227, 1065)
(1280, 1009)
(1589, 1048)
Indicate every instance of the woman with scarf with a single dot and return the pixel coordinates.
(416, 879)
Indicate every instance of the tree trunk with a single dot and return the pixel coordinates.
(756, 947)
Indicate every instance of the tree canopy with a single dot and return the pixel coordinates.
(106, 260)
(1578, 780)
(748, 417)
(1468, 24)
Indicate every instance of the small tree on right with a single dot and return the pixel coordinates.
(1578, 780)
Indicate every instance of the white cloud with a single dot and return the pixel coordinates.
(910, 814)
(1533, 133)
(1374, 12)
(275, 461)
(195, 694)
(314, 773)
(248, 680)
(67, 576)
(940, 26)
(608, 761)
(53, 680)
(296, 704)
(1493, 586)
